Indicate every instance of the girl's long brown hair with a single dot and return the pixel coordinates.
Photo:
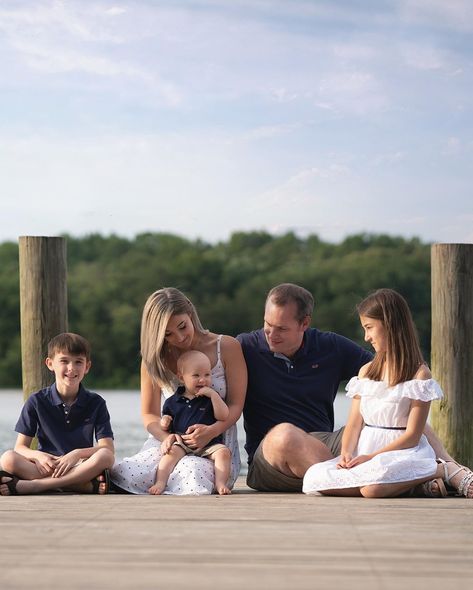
(403, 355)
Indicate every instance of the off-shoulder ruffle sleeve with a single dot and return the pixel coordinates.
(424, 390)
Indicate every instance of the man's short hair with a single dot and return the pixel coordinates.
(69, 343)
(290, 293)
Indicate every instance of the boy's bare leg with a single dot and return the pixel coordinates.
(292, 451)
(222, 461)
(78, 479)
(20, 466)
(165, 467)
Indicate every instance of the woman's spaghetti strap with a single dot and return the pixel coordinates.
(219, 338)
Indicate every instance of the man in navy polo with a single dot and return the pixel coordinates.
(64, 417)
(294, 373)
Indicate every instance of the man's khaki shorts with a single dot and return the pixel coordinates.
(265, 478)
(205, 452)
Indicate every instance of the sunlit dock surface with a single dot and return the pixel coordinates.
(243, 541)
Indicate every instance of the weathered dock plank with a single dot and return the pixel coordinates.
(246, 540)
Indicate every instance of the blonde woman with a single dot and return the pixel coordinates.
(170, 326)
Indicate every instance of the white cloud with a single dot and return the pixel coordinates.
(68, 21)
(352, 92)
(264, 132)
(55, 38)
(453, 146)
(426, 57)
(203, 117)
(116, 11)
(457, 14)
(389, 158)
(303, 189)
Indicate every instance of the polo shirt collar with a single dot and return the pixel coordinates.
(57, 400)
(304, 347)
(180, 393)
(303, 350)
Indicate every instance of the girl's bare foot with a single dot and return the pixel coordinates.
(223, 490)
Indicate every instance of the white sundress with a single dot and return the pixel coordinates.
(192, 475)
(380, 405)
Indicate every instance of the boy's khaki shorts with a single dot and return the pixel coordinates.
(265, 478)
(205, 452)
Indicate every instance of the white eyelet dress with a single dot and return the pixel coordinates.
(192, 475)
(385, 411)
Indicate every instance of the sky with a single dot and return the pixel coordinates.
(206, 117)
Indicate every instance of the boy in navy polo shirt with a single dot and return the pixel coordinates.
(64, 417)
(194, 403)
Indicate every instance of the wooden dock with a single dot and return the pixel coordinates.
(243, 541)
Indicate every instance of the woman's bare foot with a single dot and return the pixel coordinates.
(223, 490)
(459, 477)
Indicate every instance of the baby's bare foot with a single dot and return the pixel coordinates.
(223, 490)
(157, 489)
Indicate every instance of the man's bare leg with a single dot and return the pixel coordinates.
(292, 451)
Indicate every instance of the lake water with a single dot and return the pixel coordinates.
(124, 408)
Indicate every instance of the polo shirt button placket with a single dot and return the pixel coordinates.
(66, 412)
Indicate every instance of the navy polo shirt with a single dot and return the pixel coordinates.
(187, 412)
(61, 429)
(300, 390)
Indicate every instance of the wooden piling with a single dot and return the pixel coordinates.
(452, 346)
(43, 304)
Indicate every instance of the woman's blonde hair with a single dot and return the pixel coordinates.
(402, 354)
(158, 310)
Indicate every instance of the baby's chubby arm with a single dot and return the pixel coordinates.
(220, 408)
(165, 422)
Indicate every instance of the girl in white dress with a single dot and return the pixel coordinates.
(384, 453)
(170, 326)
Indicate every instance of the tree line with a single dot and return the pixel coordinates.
(110, 277)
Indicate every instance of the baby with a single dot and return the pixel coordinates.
(194, 403)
